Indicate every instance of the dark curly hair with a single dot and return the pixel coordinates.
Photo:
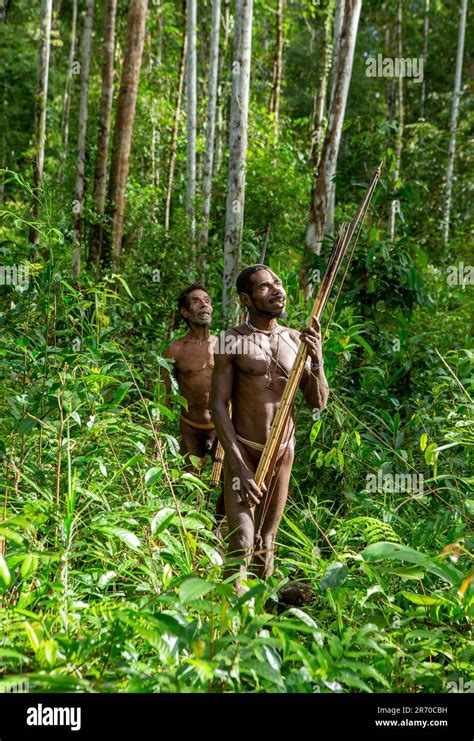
(243, 283)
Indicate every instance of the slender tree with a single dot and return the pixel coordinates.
(400, 121)
(41, 106)
(222, 89)
(389, 86)
(3, 126)
(454, 118)
(319, 111)
(191, 126)
(274, 103)
(338, 20)
(426, 34)
(81, 142)
(105, 115)
(237, 149)
(126, 103)
(330, 149)
(177, 115)
(211, 120)
(4, 8)
(105, 107)
(70, 69)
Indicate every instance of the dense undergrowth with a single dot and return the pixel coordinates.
(110, 577)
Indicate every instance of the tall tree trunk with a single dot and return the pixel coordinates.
(126, 104)
(454, 118)
(191, 126)
(105, 109)
(177, 114)
(338, 21)
(389, 85)
(3, 140)
(400, 123)
(319, 111)
(4, 8)
(105, 115)
(328, 161)
(211, 122)
(67, 90)
(274, 104)
(222, 91)
(155, 149)
(41, 106)
(237, 150)
(81, 141)
(426, 34)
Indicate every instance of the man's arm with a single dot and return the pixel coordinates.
(169, 355)
(313, 383)
(221, 392)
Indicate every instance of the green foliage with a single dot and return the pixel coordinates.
(110, 577)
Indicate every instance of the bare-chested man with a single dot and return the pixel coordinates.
(252, 363)
(193, 364)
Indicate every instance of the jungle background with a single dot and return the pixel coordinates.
(110, 576)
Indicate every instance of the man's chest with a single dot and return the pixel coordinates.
(195, 359)
(258, 354)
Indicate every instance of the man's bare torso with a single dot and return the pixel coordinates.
(194, 363)
(261, 365)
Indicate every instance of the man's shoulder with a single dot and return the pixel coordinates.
(227, 343)
(293, 333)
(236, 331)
(175, 347)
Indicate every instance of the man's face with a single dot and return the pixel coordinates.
(268, 296)
(200, 308)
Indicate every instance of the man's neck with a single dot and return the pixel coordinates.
(262, 322)
(198, 332)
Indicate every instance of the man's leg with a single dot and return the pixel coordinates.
(191, 444)
(241, 531)
(265, 558)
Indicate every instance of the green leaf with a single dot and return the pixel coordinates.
(470, 506)
(4, 571)
(124, 283)
(334, 576)
(409, 572)
(152, 475)
(29, 565)
(193, 589)
(263, 671)
(431, 454)
(32, 637)
(383, 550)
(162, 519)
(303, 616)
(121, 392)
(422, 599)
(126, 536)
(423, 441)
(360, 340)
